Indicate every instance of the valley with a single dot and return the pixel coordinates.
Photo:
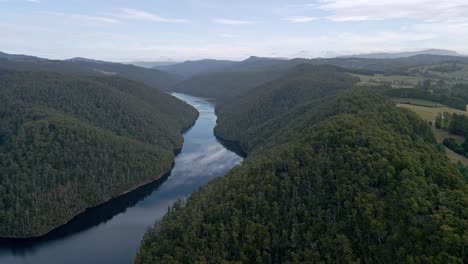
(346, 160)
(234, 132)
(110, 233)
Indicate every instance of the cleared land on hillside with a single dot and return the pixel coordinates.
(430, 113)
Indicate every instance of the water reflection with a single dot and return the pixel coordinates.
(111, 233)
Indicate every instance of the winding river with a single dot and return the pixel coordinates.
(111, 233)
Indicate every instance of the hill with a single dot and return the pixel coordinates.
(228, 82)
(88, 67)
(333, 175)
(190, 68)
(440, 52)
(68, 143)
(224, 85)
(303, 83)
(18, 57)
(151, 64)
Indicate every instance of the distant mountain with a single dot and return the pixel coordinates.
(89, 67)
(18, 57)
(258, 63)
(80, 59)
(204, 67)
(151, 64)
(226, 83)
(440, 52)
(191, 68)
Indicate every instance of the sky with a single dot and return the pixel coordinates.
(178, 30)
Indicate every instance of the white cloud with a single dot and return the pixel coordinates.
(34, 1)
(128, 13)
(363, 10)
(85, 18)
(227, 21)
(300, 19)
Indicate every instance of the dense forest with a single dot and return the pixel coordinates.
(246, 118)
(68, 143)
(87, 67)
(334, 175)
(224, 86)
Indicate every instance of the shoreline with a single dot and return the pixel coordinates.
(86, 210)
(232, 145)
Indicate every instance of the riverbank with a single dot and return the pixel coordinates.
(164, 175)
(112, 232)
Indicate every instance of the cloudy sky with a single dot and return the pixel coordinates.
(126, 30)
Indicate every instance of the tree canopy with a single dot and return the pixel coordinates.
(68, 143)
(334, 175)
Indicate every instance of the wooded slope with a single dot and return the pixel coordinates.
(68, 143)
(341, 178)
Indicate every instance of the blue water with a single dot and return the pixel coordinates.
(112, 233)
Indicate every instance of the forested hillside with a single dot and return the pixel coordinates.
(68, 143)
(244, 119)
(231, 79)
(87, 67)
(190, 68)
(333, 175)
(224, 86)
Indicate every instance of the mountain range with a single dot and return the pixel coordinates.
(89, 67)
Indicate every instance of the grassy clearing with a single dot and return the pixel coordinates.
(454, 157)
(417, 102)
(418, 75)
(397, 81)
(455, 76)
(430, 113)
(443, 134)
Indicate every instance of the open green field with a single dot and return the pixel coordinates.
(430, 113)
(418, 75)
(460, 75)
(443, 134)
(418, 102)
(453, 156)
(397, 81)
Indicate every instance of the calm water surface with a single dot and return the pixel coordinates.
(111, 233)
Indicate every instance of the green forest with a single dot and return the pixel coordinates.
(334, 174)
(68, 143)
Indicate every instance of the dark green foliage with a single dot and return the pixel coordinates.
(224, 85)
(68, 143)
(447, 67)
(463, 170)
(245, 119)
(442, 98)
(236, 78)
(458, 125)
(152, 77)
(345, 179)
(453, 145)
(438, 121)
(461, 91)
